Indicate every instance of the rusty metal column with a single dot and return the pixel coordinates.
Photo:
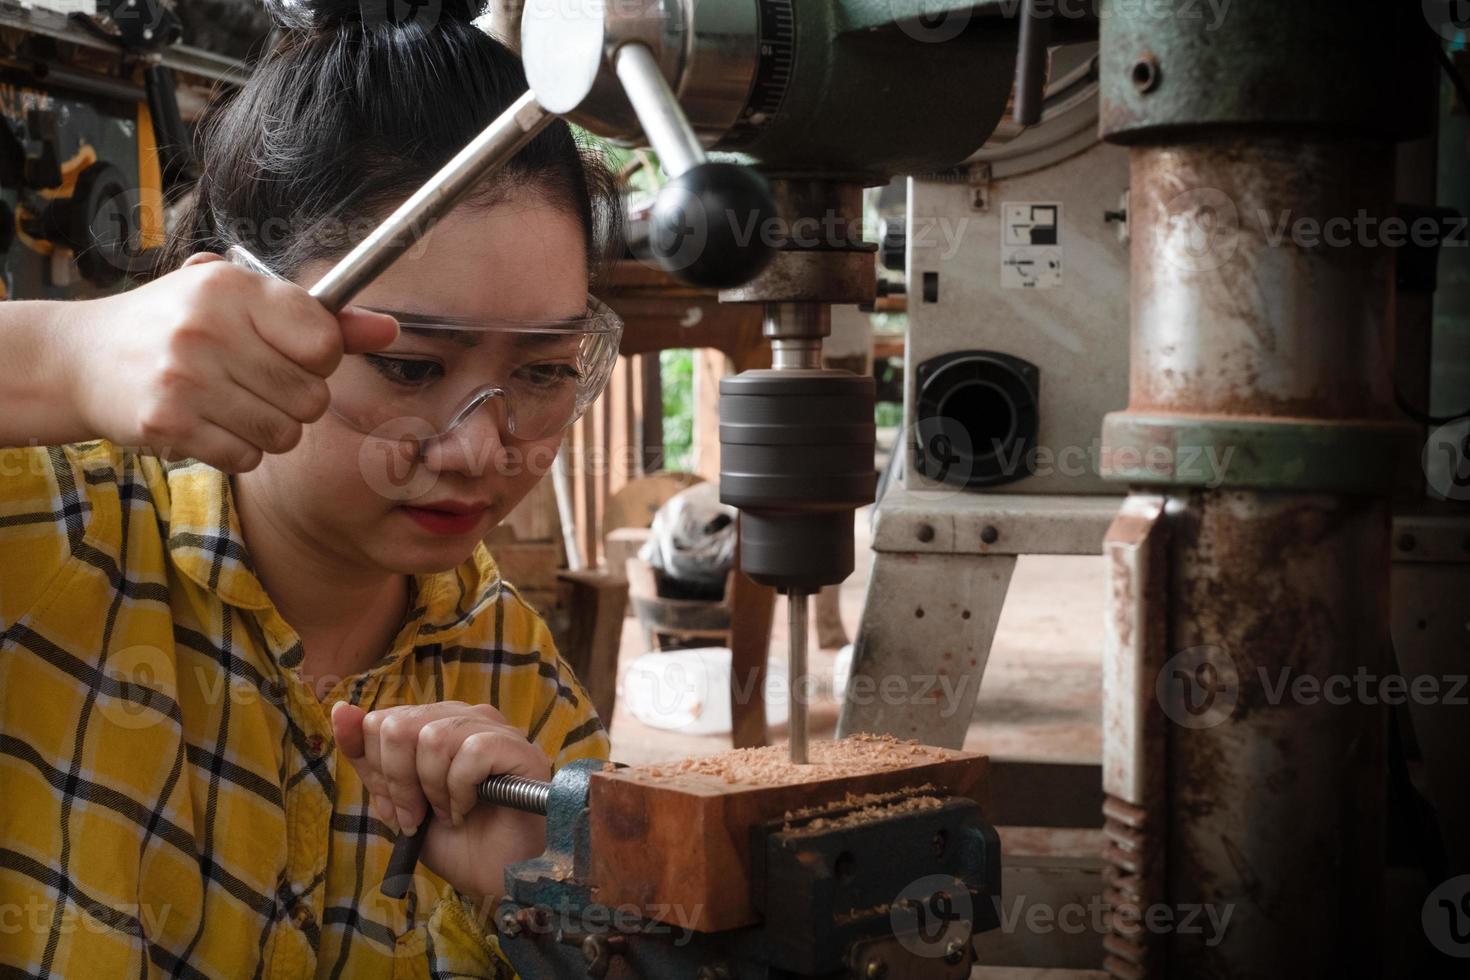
(1260, 420)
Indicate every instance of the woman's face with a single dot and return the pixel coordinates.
(369, 501)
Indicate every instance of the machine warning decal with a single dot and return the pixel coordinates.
(1031, 245)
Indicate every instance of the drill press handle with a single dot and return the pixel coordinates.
(609, 67)
(704, 227)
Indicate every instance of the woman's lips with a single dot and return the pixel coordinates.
(446, 522)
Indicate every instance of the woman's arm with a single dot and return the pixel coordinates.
(210, 362)
(39, 344)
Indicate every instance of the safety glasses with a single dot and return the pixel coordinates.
(536, 377)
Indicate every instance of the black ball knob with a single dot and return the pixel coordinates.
(96, 223)
(711, 226)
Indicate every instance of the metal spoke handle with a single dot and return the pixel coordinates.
(486, 154)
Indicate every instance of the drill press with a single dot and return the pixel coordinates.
(823, 100)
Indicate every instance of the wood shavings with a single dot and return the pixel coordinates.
(857, 915)
(880, 810)
(770, 765)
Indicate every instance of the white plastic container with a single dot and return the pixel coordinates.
(688, 691)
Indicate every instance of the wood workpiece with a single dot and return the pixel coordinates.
(674, 839)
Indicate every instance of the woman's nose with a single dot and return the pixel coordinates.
(476, 444)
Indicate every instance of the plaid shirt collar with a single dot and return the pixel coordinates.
(206, 545)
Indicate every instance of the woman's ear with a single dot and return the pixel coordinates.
(199, 258)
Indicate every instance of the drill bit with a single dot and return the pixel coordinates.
(796, 674)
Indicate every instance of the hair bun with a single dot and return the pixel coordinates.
(334, 15)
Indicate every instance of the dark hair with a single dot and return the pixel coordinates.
(355, 105)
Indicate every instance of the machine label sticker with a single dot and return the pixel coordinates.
(1031, 245)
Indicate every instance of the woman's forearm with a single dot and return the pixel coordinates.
(41, 343)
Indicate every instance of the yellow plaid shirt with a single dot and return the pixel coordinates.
(171, 800)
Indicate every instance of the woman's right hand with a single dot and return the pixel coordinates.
(212, 362)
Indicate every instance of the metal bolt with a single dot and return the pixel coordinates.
(1145, 74)
(924, 532)
(509, 924)
(954, 952)
(989, 534)
(876, 969)
(598, 951)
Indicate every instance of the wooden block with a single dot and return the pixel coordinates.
(674, 839)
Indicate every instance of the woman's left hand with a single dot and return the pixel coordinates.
(425, 762)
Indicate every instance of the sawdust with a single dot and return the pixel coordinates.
(858, 915)
(856, 755)
(861, 809)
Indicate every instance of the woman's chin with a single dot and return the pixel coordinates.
(412, 551)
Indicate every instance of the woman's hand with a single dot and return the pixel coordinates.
(425, 762)
(211, 362)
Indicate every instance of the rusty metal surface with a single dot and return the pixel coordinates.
(1276, 801)
(1134, 733)
(1357, 456)
(1324, 65)
(1261, 287)
(1233, 313)
(1134, 640)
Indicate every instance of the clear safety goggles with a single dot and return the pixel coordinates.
(536, 376)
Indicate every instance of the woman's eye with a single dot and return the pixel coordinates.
(405, 370)
(549, 375)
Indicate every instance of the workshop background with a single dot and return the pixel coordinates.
(1027, 312)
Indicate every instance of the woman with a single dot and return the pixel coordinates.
(237, 663)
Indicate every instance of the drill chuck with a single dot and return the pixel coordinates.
(796, 457)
